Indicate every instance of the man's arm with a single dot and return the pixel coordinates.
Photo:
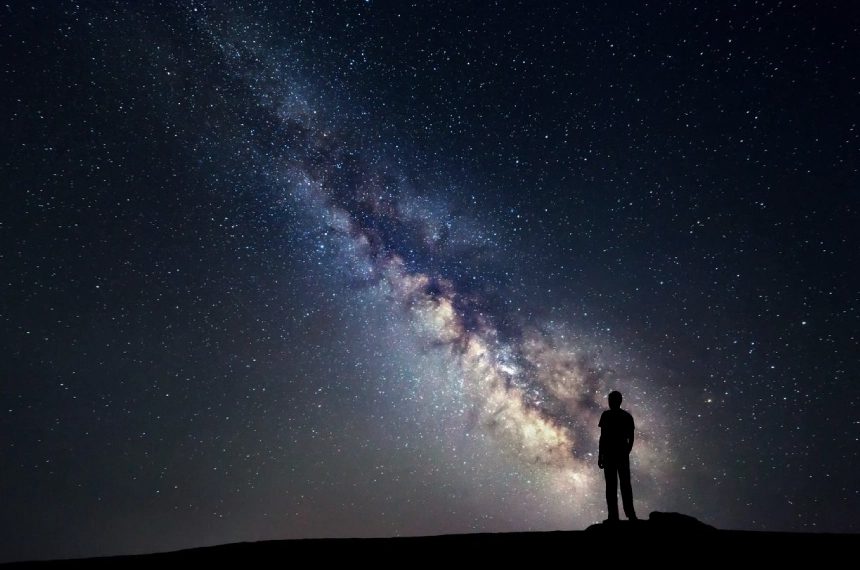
(600, 453)
(600, 443)
(630, 436)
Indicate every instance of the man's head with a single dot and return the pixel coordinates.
(615, 399)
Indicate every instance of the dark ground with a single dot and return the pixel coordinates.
(663, 539)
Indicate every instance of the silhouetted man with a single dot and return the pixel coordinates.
(616, 441)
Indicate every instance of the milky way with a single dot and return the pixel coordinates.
(538, 395)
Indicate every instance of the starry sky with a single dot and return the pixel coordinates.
(328, 269)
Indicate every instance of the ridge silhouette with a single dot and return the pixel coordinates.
(661, 531)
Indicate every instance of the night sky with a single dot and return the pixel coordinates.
(326, 269)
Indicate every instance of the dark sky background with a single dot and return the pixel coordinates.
(313, 269)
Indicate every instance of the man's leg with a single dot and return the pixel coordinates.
(626, 489)
(609, 471)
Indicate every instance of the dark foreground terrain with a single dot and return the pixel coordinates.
(665, 539)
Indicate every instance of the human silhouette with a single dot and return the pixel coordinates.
(616, 441)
